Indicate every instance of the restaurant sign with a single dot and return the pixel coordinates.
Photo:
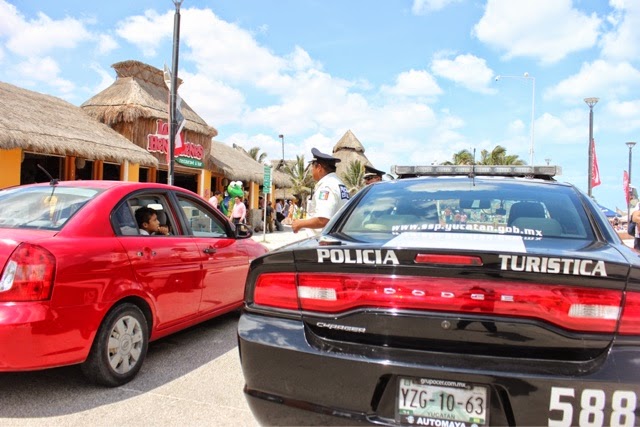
(192, 154)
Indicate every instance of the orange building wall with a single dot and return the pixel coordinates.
(10, 162)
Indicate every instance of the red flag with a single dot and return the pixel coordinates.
(625, 185)
(595, 172)
(180, 146)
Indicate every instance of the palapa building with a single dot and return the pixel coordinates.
(349, 149)
(37, 129)
(136, 106)
(122, 133)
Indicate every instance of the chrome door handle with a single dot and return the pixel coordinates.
(210, 251)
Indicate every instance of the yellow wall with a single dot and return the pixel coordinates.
(254, 193)
(134, 172)
(130, 172)
(204, 184)
(10, 162)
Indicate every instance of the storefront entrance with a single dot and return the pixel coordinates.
(30, 172)
(183, 180)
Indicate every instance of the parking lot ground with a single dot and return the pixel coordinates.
(192, 378)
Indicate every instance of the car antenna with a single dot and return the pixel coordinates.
(472, 175)
(53, 181)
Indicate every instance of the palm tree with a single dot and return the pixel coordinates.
(462, 157)
(301, 178)
(498, 156)
(255, 154)
(353, 177)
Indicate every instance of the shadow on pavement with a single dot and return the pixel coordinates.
(60, 391)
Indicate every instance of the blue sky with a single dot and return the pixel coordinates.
(414, 80)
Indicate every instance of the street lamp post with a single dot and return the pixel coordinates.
(282, 139)
(173, 92)
(630, 144)
(590, 102)
(526, 76)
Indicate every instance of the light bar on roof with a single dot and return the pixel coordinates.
(497, 170)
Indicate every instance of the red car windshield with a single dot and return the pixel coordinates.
(41, 207)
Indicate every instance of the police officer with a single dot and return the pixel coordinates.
(329, 193)
(372, 175)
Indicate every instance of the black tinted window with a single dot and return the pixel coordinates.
(460, 205)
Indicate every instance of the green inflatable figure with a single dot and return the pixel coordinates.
(233, 189)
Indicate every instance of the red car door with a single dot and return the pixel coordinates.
(167, 267)
(224, 260)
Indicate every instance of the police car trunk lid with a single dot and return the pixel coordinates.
(529, 305)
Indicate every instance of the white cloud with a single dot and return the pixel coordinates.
(516, 127)
(466, 70)
(41, 36)
(597, 79)
(235, 56)
(106, 44)
(45, 70)
(290, 93)
(300, 60)
(622, 42)
(416, 83)
(106, 78)
(568, 128)
(421, 7)
(216, 102)
(545, 29)
(11, 19)
(147, 32)
(623, 116)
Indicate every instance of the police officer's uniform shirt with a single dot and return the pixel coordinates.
(329, 195)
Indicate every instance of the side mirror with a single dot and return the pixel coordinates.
(242, 231)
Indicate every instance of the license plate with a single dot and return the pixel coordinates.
(421, 400)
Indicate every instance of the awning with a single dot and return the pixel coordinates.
(608, 212)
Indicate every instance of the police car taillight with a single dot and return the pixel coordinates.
(630, 321)
(572, 308)
(277, 290)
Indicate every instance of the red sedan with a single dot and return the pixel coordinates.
(91, 271)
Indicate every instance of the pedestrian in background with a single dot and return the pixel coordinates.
(239, 212)
(372, 175)
(635, 218)
(279, 215)
(269, 217)
(215, 199)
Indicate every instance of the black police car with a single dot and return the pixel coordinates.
(455, 296)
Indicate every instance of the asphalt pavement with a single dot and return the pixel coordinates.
(279, 238)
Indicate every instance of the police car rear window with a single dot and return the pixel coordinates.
(462, 206)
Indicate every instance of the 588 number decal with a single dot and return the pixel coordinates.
(594, 405)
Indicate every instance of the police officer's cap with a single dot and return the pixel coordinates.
(370, 171)
(318, 156)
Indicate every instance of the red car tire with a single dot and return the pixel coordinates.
(119, 348)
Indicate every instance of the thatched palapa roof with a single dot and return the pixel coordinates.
(140, 92)
(349, 149)
(46, 124)
(237, 165)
